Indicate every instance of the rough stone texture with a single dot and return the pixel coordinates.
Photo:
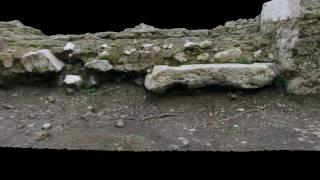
(6, 60)
(129, 50)
(99, 65)
(296, 31)
(228, 54)
(278, 10)
(73, 80)
(42, 61)
(287, 34)
(194, 76)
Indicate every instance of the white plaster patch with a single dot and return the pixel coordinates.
(69, 46)
(73, 80)
(278, 10)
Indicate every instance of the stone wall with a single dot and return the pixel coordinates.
(286, 35)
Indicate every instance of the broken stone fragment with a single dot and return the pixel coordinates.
(69, 47)
(200, 75)
(181, 57)
(130, 51)
(156, 48)
(46, 126)
(147, 46)
(92, 81)
(168, 46)
(257, 53)
(203, 57)
(104, 46)
(6, 60)
(104, 55)
(42, 61)
(189, 44)
(99, 65)
(39, 136)
(229, 54)
(73, 80)
(205, 44)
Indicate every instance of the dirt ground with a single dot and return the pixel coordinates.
(125, 117)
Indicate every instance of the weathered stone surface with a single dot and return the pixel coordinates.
(99, 65)
(41, 62)
(6, 60)
(286, 39)
(73, 80)
(195, 76)
(306, 83)
(203, 57)
(295, 24)
(278, 10)
(104, 55)
(69, 47)
(228, 54)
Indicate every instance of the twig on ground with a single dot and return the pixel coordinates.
(126, 118)
(105, 91)
(238, 115)
(160, 116)
(243, 102)
(237, 104)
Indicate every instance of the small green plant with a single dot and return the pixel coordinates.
(281, 82)
(89, 90)
(243, 61)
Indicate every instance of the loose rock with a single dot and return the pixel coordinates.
(30, 125)
(46, 126)
(91, 109)
(69, 47)
(119, 123)
(42, 135)
(73, 80)
(21, 126)
(99, 65)
(51, 99)
(139, 81)
(232, 96)
(241, 110)
(185, 142)
(8, 107)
